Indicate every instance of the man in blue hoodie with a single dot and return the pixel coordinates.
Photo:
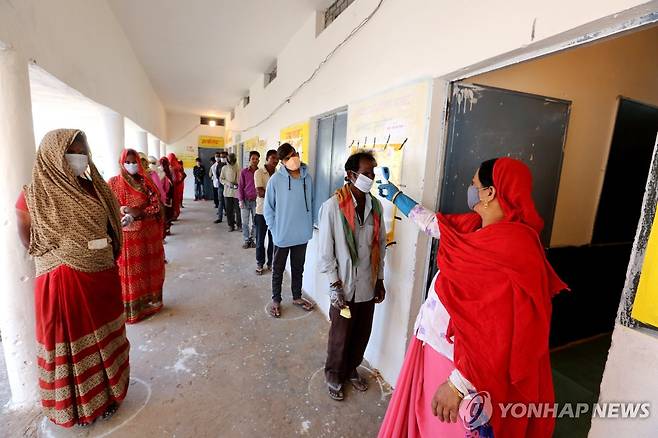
(288, 212)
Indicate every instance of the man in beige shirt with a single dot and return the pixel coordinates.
(229, 178)
(261, 178)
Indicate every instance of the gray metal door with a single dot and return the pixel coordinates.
(485, 123)
(331, 154)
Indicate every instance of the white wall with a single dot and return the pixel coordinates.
(84, 47)
(405, 40)
(630, 377)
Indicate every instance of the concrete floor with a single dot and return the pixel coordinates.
(214, 364)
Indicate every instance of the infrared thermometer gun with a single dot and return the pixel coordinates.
(382, 174)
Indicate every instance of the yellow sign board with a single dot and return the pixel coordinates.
(188, 156)
(645, 306)
(208, 141)
(298, 136)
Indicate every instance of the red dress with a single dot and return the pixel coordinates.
(81, 341)
(141, 264)
(178, 174)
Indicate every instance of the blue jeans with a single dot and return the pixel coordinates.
(248, 222)
(261, 233)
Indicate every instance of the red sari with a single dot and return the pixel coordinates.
(178, 174)
(82, 350)
(141, 264)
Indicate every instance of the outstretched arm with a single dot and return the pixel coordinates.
(421, 216)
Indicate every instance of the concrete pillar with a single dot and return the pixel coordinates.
(114, 133)
(154, 146)
(141, 143)
(163, 149)
(16, 267)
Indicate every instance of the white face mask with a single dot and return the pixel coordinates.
(153, 166)
(363, 183)
(77, 162)
(131, 168)
(293, 163)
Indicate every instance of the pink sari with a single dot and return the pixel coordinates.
(409, 414)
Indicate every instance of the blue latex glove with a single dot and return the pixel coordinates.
(404, 203)
(388, 190)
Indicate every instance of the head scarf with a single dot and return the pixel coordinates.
(166, 168)
(158, 166)
(144, 162)
(65, 218)
(143, 184)
(513, 183)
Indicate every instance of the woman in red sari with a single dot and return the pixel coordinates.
(168, 200)
(177, 173)
(141, 264)
(485, 324)
(69, 220)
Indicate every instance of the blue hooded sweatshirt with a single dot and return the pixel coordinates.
(289, 208)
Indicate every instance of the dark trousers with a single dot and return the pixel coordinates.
(348, 339)
(233, 212)
(215, 196)
(199, 192)
(221, 203)
(297, 259)
(261, 232)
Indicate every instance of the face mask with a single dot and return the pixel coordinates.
(473, 196)
(78, 163)
(153, 166)
(293, 163)
(223, 160)
(131, 168)
(363, 183)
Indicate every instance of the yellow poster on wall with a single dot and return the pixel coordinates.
(645, 307)
(189, 156)
(208, 141)
(298, 136)
(388, 124)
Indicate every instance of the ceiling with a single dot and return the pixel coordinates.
(203, 55)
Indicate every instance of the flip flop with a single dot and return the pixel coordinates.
(336, 393)
(304, 304)
(359, 383)
(275, 310)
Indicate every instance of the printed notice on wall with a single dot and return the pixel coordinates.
(189, 155)
(298, 136)
(388, 124)
(208, 141)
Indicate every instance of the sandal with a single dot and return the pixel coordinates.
(304, 304)
(111, 410)
(336, 393)
(358, 382)
(259, 270)
(275, 310)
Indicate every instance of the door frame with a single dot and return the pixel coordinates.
(640, 17)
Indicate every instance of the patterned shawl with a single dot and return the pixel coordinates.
(65, 218)
(348, 214)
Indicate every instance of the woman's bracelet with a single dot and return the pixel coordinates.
(454, 388)
(395, 196)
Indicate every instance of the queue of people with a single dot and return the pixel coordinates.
(87, 235)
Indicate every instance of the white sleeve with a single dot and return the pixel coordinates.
(426, 220)
(461, 383)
